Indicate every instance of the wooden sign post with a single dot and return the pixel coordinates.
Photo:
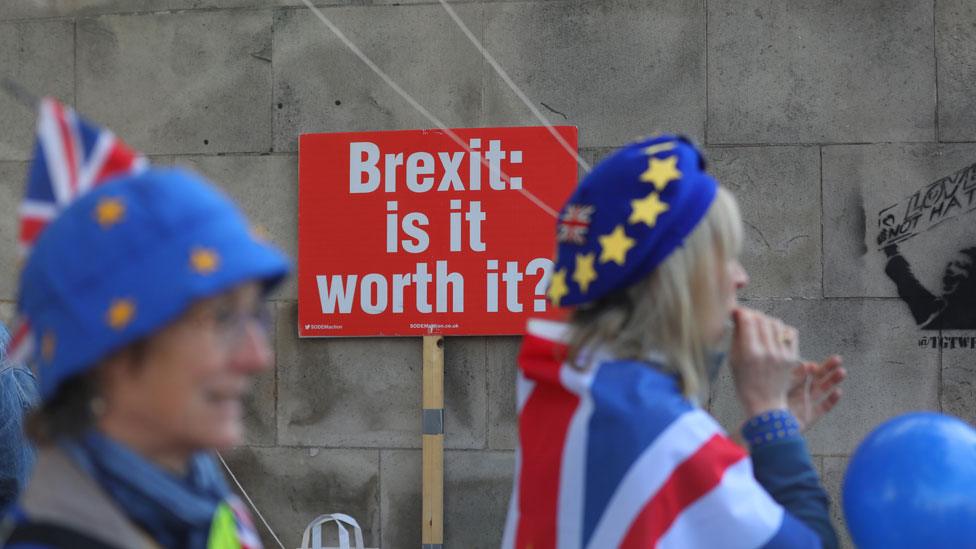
(433, 443)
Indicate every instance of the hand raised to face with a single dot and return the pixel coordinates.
(763, 354)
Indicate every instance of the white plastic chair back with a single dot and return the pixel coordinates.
(312, 537)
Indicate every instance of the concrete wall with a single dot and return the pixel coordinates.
(816, 115)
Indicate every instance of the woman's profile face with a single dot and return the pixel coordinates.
(185, 391)
(731, 278)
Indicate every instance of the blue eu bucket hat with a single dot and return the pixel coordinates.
(127, 258)
(627, 216)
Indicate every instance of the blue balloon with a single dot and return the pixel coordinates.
(912, 483)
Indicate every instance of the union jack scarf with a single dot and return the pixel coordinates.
(615, 456)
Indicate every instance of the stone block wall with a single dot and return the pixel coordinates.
(817, 116)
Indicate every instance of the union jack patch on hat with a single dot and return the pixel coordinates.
(574, 223)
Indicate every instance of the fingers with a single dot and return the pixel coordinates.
(767, 373)
(813, 397)
(826, 391)
(767, 333)
(810, 411)
(829, 374)
(780, 337)
(832, 379)
(828, 403)
(747, 338)
(803, 370)
(833, 362)
(774, 335)
(783, 339)
(746, 334)
(758, 333)
(787, 338)
(792, 341)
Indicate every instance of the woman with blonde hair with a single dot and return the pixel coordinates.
(614, 449)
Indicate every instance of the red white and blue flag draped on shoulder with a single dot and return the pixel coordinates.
(71, 156)
(615, 456)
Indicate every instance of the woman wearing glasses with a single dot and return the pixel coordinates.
(146, 300)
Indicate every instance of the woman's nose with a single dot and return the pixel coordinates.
(253, 352)
(740, 276)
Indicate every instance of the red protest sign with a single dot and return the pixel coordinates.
(407, 233)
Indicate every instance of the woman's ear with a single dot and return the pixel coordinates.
(108, 375)
(119, 367)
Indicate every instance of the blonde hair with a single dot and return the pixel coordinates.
(663, 311)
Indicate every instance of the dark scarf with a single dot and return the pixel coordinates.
(175, 512)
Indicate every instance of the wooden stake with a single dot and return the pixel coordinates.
(432, 536)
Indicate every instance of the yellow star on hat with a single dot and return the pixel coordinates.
(584, 273)
(204, 260)
(557, 287)
(615, 246)
(259, 232)
(120, 313)
(660, 172)
(647, 209)
(109, 211)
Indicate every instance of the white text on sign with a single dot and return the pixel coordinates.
(378, 294)
(366, 172)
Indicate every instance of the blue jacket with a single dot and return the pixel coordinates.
(18, 394)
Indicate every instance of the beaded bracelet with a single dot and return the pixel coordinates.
(770, 427)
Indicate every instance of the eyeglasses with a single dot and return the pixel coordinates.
(232, 324)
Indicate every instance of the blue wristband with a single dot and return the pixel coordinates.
(770, 427)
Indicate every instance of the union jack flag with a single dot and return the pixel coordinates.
(614, 456)
(247, 534)
(71, 156)
(574, 224)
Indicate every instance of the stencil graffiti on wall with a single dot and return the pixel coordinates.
(953, 305)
